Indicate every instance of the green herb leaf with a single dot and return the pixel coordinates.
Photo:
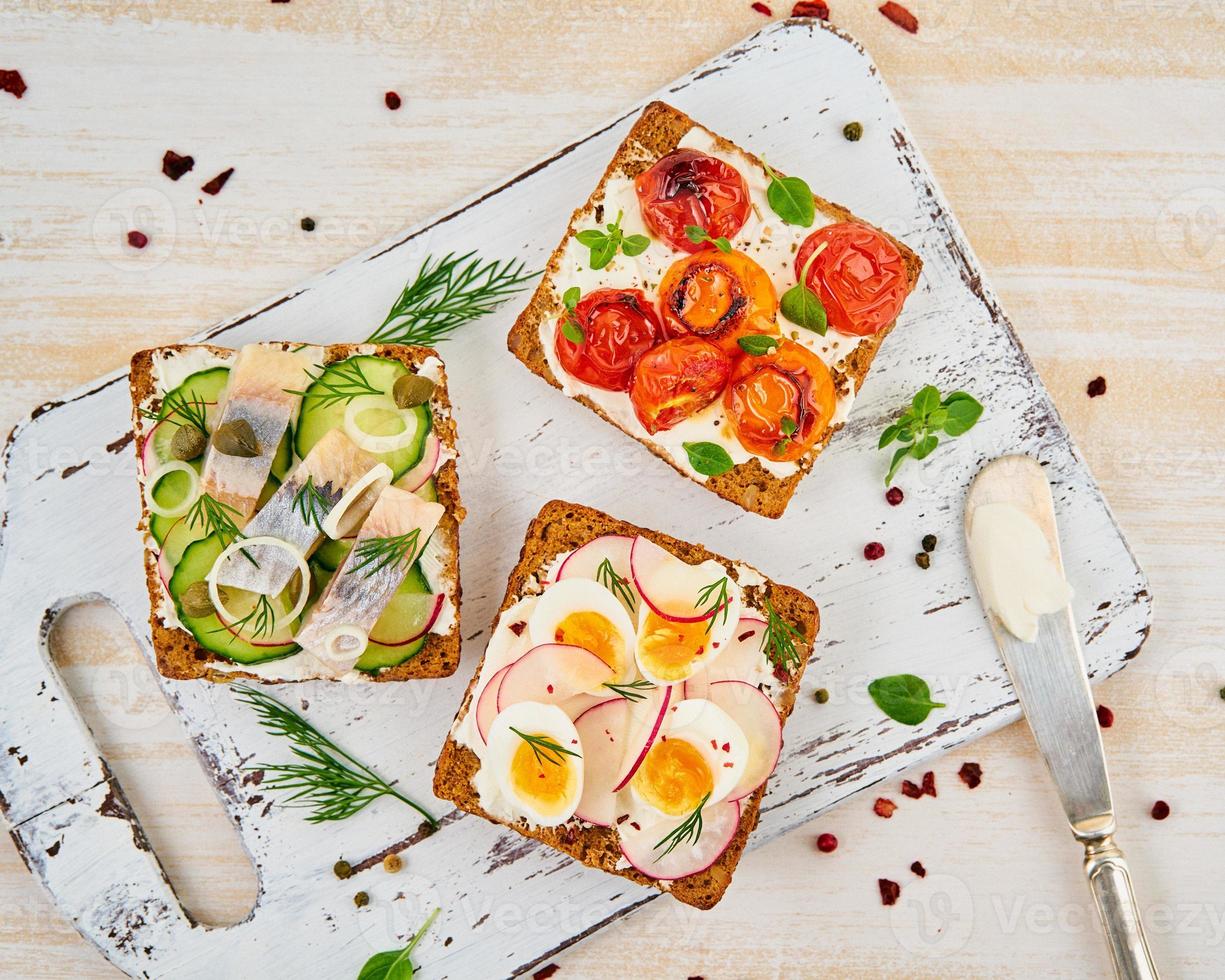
(618, 585)
(571, 297)
(633, 691)
(697, 234)
(787, 424)
(778, 640)
(572, 331)
(888, 436)
(790, 198)
(688, 832)
(591, 237)
(545, 749)
(395, 964)
(963, 411)
(898, 456)
(926, 400)
(758, 344)
(903, 697)
(803, 307)
(924, 447)
(926, 416)
(604, 253)
(715, 596)
(604, 245)
(635, 245)
(708, 458)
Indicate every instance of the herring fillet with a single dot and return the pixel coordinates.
(258, 391)
(333, 466)
(355, 598)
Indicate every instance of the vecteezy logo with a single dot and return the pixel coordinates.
(934, 916)
(140, 209)
(1190, 230)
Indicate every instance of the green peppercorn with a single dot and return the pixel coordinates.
(188, 443)
(929, 543)
(308, 224)
(852, 131)
(923, 559)
(361, 900)
(412, 390)
(195, 601)
(821, 695)
(342, 869)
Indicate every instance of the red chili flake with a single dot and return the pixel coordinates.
(811, 8)
(827, 843)
(911, 789)
(746, 636)
(971, 774)
(518, 628)
(1105, 717)
(545, 971)
(727, 746)
(729, 765)
(714, 744)
(138, 239)
(550, 688)
(761, 8)
(634, 824)
(900, 16)
(1096, 387)
(214, 186)
(889, 891)
(918, 869)
(873, 550)
(392, 101)
(884, 807)
(929, 783)
(894, 495)
(12, 82)
(174, 165)
(1161, 810)
(781, 674)
(621, 819)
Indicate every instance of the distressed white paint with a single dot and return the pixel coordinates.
(72, 536)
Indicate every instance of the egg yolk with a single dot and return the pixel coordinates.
(669, 650)
(595, 633)
(674, 777)
(536, 778)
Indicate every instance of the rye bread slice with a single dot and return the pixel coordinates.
(561, 527)
(179, 656)
(657, 132)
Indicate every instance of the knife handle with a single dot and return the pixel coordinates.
(1110, 882)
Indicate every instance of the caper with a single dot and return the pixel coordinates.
(236, 438)
(361, 900)
(923, 560)
(822, 695)
(188, 443)
(412, 390)
(196, 601)
(342, 869)
(852, 131)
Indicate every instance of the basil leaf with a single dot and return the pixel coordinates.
(924, 447)
(571, 297)
(791, 199)
(898, 456)
(926, 400)
(635, 245)
(722, 244)
(903, 697)
(391, 965)
(572, 331)
(602, 255)
(963, 411)
(803, 307)
(758, 344)
(708, 458)
(887, 436)
(591, 237)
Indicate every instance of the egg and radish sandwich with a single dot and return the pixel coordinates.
(715, 309)
(629, 707)
(300, 511)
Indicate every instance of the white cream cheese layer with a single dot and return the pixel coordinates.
(764, 238)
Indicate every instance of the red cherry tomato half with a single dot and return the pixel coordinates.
(718, 297)
(690, 188)
(677, 379)
(860, 277)
(618, 326)
(781, 403)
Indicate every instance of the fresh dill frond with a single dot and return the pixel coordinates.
(778, 640)
(216, 518)
(336, 384)
(328, 780)
(715, 596)
(375, 554)
(607, 576)
(261, 619)
(178, 409)
(312, 504)
(633, 691)
(687, 833)
(545, 748)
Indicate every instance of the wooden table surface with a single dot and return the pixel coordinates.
(1082, 148)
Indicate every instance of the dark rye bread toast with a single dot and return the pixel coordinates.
(179, 656)
(561, 527)
(657, 132)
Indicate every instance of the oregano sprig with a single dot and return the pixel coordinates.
(604, 245)
(697, 234)
(927, 415)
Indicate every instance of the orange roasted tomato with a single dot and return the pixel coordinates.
(618, 326)
(677, 379)
(690, 188)
(719, 297)
(780, 403)
(860, 277)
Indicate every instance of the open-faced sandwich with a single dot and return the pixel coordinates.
(629, 707)
(300, 511)
(715, 310)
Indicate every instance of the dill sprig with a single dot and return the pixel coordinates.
(607, 576)
(312, 503)
(545, 749)
(328, 780)
(446, 294)
(335, 384)
(262, 620)
(632, 691)
(375, 554)
(778, 639)
(715, 596)
(215, 518)
(178, 409)
(687, 833)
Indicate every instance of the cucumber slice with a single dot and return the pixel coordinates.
(320, 414)
(429, 491)
(332, 552)
(171, 490)
(198, 559)
(406, 615)
(174, 534)
(282, 462)
(378, 657)
(205, 386)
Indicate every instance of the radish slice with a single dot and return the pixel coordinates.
(640, 844)
(646, 721)
(585, 562)
(419, 475)
(487, 703)
(602, 729)
(671, 587)
(380, 472)
(238, 544)
(380, 444)
(740, 660)
(763, 728)
(551, 673)
(575, 706)
(174, 466)
(164, 569)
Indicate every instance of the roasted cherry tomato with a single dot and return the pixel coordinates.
(677, 379)
(718, 297)
(619, 326)
(860, 277)
(690, 188)
(780, 403)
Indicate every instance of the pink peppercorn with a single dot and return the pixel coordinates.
(873, 550)
(827, 843)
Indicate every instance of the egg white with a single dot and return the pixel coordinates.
(580, 595)
(534, 718)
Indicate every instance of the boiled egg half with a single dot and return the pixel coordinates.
(537, 760)
(583, 613)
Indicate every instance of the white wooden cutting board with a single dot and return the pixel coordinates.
(71, 508)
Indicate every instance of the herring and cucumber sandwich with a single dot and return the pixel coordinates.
(714, 309)
(630, 703)
(300, 511)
